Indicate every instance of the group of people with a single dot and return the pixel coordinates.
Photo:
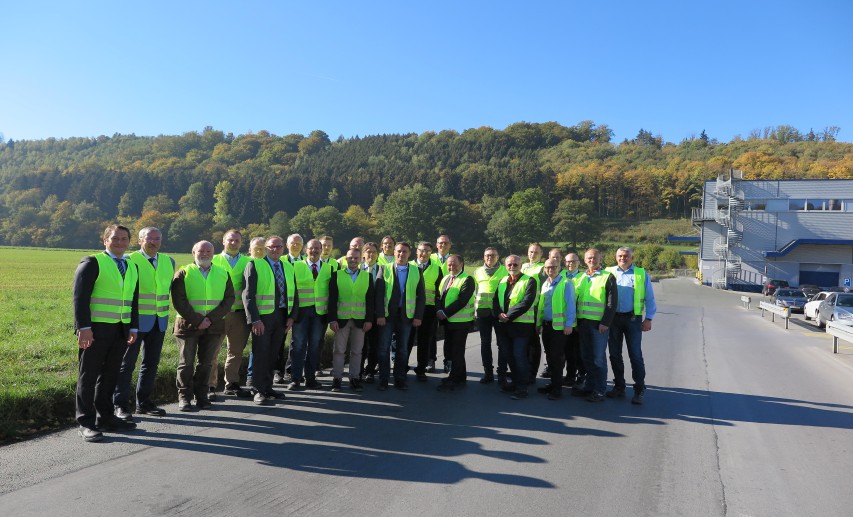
(378, 303)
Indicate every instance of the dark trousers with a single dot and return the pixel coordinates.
(575, 370)
(265, 349)
(515, 347)
(594, 354)
(423, 336)
(534, 356)
(151, 345)
(455, 335)
(629, 328)
(555, 344)
(98, 373)
(399, 326)
(370, 354)
(485, 324)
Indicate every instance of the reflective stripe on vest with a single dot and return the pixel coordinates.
(389, 272)
(592, 296)
(352, 296)
(236, 274)
(265, 295)
(154, 284)
(515, 297)
(112, 295)
(205, 294)
(487, 285)
(313, 292)
(639, 288)
(466, 313)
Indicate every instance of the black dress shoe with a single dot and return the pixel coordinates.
(116, 425)
(148, 408)
(123, 413)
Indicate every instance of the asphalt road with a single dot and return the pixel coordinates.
(742, 417)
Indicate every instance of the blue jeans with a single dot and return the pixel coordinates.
(401, 327)
(308, 335)
(485, 324)
(593, 354)
(629, 327)
(151, 345)
(515, 350)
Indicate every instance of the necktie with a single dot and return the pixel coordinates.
(279, 279)
(121, 266)
(314, 270)
(443, 259)
(447, 285)
(151, 261)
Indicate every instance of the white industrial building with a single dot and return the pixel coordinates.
(795, 230)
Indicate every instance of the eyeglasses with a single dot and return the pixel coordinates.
(421, 250)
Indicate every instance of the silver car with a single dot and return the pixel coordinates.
(837, 307)
(793, 299)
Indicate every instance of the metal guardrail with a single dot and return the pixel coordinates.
(837, 332)
(774, 310)
(746, 301)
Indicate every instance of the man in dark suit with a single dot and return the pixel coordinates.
(455, 310)
(106, 319)
(404, 309)
(352, 309)
(271, 301)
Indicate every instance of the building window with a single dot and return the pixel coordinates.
(814, 204)
(755, 204)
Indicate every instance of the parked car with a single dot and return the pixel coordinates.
(793, 299)
(810, 290)
(837, 289)
(837, 307)
(771, 285)
(810, 308)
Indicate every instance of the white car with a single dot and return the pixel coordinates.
(810, 309)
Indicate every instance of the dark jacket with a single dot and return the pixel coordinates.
(513, 328)
(250, 292)
(394, 302)
(84, 283)
(466, 292)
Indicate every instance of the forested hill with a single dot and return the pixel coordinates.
(478, 185)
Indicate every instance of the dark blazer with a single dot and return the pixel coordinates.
(251, 290)
(394, 302)
(465, 293)
(84, 283)
(188, 320)
(514, 328)
(370, 301)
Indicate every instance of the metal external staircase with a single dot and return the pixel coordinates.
(729, 204)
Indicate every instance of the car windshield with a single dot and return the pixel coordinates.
(845, 301)
(790, 293)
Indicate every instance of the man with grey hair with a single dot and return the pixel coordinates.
(202, 294)
(155, 271)
(635, 297)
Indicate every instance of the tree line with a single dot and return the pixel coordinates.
(506, 187)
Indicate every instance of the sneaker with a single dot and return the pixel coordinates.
(519, 394)
(211, 394)
(595, 397)
(313, 384)
(295, 385)
(277, 378)
(89, 434)
(260, 399)
(236, 390)
(122, 413)
(336, 384)
(638, 397)
(617, 392)
(430, 367)
(148, 408)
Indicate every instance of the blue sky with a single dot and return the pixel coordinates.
(359, 68)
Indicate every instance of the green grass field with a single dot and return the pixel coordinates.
(38, 349)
